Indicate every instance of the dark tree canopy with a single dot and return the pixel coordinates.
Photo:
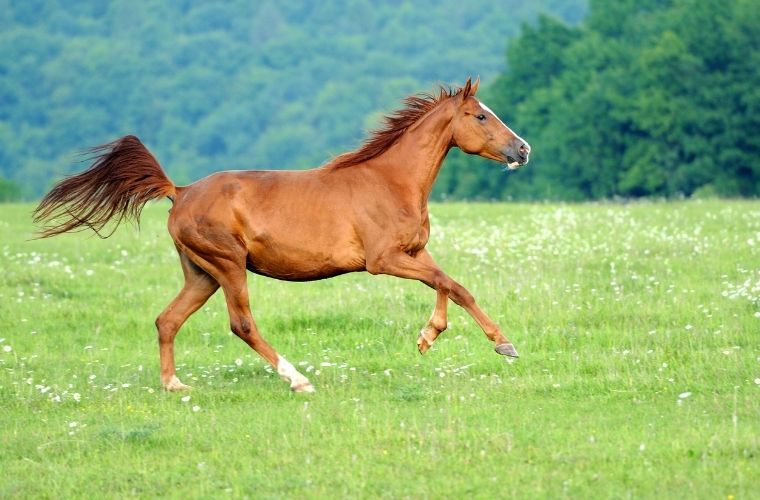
(645, 98)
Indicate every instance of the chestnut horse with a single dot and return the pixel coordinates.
(365, 210)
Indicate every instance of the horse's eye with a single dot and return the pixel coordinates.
(481, 117)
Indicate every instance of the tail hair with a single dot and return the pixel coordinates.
(122, 179)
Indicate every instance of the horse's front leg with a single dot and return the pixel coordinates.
(439, 318)
(436, 324)
(422, 267)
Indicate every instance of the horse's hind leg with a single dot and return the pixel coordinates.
(235, 288)
(231, 274)
(199, 286)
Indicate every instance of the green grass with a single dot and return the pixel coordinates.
(638, 327)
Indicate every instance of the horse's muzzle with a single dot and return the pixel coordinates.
(517, 154)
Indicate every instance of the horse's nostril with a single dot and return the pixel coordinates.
(524, 149)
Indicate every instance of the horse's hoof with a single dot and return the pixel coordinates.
(306, 387)
(507, 350)
(175, 385)
(422, 344)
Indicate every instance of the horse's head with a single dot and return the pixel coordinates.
(477, 130)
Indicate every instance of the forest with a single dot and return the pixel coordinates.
(215, 85)
(618, 99)
(643, 98)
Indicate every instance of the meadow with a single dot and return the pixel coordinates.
(638, 327)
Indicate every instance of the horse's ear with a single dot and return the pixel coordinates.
(475, 86)
(466, 89)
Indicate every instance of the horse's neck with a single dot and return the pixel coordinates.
(417, 157)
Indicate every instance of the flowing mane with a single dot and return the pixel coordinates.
(394, 125)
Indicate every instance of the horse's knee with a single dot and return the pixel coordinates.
(241, 326)
(442, 283)
(166, 328)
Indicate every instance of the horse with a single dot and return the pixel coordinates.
(364, 210)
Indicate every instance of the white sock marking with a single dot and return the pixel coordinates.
(289, 373)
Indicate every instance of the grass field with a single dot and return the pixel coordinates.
(638, 327)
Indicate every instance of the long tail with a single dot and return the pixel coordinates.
(123, 178)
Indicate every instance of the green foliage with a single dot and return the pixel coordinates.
(9, 191)
(645, 98)
(220, 85)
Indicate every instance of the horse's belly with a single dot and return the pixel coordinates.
(301, 263)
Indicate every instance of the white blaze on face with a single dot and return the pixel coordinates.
(485, 108)
(289, 373)
(489, 110)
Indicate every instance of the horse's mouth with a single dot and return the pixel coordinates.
(513, 164)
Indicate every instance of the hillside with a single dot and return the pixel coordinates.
(221, 85)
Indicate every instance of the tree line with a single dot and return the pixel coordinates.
(644, 98)
(618, 99)
(212, 85)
